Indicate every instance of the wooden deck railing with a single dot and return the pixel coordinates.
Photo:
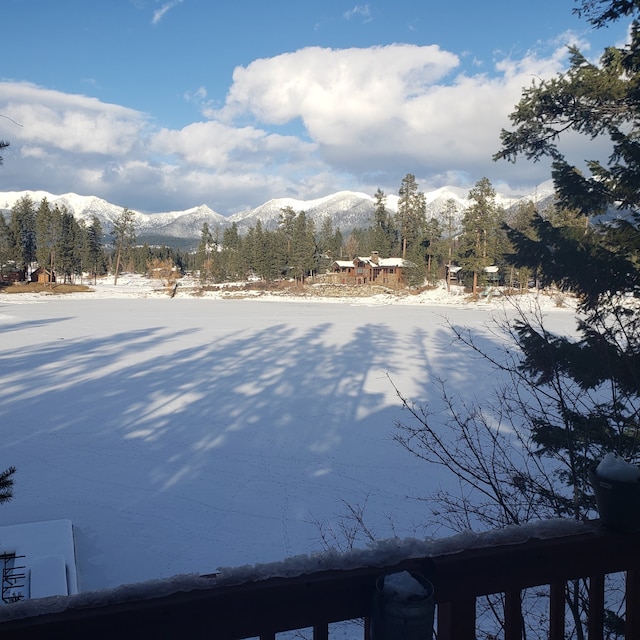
(314, 600)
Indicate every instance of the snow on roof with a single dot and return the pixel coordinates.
(381, 262)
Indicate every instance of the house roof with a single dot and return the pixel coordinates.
(381, 262)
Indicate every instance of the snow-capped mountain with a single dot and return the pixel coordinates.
(346, 209)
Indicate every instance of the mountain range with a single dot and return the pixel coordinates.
(347, 210)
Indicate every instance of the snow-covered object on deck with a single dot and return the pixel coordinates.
(614, 468)
(403, 587)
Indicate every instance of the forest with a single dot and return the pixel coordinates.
(50, 237)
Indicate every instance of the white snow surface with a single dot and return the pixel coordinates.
(612, 467)
(403, 587)
(198, 435)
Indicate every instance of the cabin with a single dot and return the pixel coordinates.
(387, 272)
(43, 274)
(10, 273)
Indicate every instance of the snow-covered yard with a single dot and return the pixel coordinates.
(181, 435)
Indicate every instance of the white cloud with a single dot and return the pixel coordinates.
(73, 123)
(360, 10)
(382, 108)
(329, 89)
(161, 12)
(369, 116)
(218, 146)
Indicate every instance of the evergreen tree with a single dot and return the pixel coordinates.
(124, 239)
(47, 235)
(95, 251)
(23, 232)
(521, 219)
(303, 247)
(383, 233)
(329, 239)
(599, 262)
(253, 247)
(271, 260)
(480, 230)
(3, 145)
(69, 246)
(6, 484)
(204, 254)
(431, 246)
(449, 217)
(231, 259)
(411, 214)
(5, 245)
(286, 225)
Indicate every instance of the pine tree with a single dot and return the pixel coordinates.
(303, 247)
(231, 259)
(95, 252)
(286, 224)
(448, 218)
(47, 234)
(431, 245)
(69, 246)
(382, 233)
(480, 230)
(124, 238)
(412, 207)
(23, 232)
(5, 244)
(599, 262)
(329, 240)
(6, 484)
(3, 145)
(204, 261)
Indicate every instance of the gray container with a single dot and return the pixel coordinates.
(397, 618)
(618, 503)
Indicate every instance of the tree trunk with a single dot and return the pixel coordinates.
(115, 277)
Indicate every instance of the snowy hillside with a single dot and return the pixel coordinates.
(347, 210)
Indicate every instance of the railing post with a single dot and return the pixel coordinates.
(596, 608)
(512, 615)
(632, 616)
(556, 610)
(321, 631)
(457, 620)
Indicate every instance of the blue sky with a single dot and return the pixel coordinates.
(162, 105)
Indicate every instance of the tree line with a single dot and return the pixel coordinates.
(50, 237)
(450, 244)
(471, 240)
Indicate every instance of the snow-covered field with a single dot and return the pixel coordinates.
(181, 435)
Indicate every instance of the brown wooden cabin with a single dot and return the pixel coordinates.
(41, 274)
(387, 272)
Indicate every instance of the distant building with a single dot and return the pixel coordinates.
(386, 272)
(11, 273)
(41, 274)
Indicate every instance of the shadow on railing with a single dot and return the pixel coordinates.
(236, 604)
